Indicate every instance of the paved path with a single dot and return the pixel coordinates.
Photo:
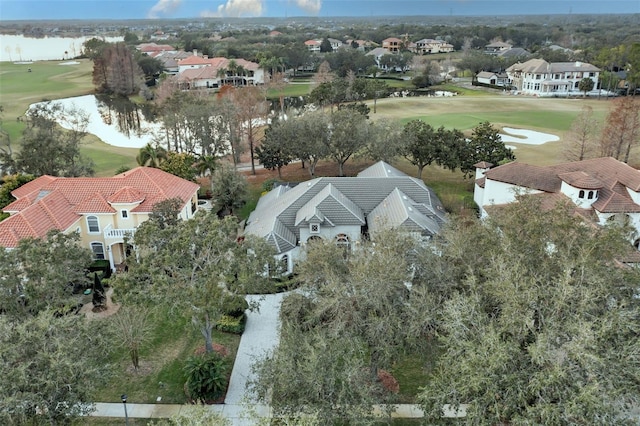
(241, 408)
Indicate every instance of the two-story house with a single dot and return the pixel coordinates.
(104, 211)
(198, 72)
(541, 78)
(392, 44)
(428, 45)
(343, 209)
(602, 190)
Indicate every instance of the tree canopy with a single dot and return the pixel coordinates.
(538, 322)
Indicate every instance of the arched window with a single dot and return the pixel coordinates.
(581, 194)
(284, 263)
(314, 238)
(342, 240)
(98, 250)
(590, 195)
(93, 224)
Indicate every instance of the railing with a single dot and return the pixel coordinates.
(110, 232)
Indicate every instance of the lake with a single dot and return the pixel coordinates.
(18, 48)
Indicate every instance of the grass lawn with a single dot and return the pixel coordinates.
(47, 80)
(161, 363)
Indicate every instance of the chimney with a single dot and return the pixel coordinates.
(205, 56)
(195, 52)
(578, 64)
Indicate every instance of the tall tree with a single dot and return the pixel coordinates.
(51, 366)
(348, 134)
(228, 190)
(251, 112)
(538, 324)
(582, 137)
(213, 265)
(47, 149)
(313, 146)
(420, 146)
(485, 144)
(40, 274)
(338, 333)
(621, 130)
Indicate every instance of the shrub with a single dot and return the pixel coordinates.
(206, 377)
(269, 184)
(230, 324)
(235, 305)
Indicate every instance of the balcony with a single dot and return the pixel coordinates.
(118, 233)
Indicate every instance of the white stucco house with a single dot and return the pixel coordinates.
(541, 78)
(345, 210)
(603, 190)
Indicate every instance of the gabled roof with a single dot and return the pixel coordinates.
(49, 202)
(341, 201)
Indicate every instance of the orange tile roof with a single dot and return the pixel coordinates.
(50, 202)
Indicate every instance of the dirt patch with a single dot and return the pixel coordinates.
(220, 349)
(144, 369)
(112, 308)
(388, 381)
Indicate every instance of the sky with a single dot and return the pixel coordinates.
(141, 9)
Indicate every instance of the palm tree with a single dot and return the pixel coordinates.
(151, 156)
(206, 164)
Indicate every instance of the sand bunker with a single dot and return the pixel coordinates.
(69, 63)
(528, 137)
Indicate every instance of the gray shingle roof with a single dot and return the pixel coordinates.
(345, 201)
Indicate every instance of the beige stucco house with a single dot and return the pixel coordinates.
(104, 211)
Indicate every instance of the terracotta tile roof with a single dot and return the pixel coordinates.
(580, 179)
(126, 195)
(57, 203)
(483, 165)
(194, 60)
(525, 175)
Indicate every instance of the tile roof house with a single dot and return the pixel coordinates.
(343, 209)
(203, 72)
(541, 78)
(429, 45)
(102, 210)
(601, 189)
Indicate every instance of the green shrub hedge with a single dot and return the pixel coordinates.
(229, 324)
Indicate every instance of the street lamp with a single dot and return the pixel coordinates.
(124, 402)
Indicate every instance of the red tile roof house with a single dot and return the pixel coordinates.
(103, 210)
(603, 190)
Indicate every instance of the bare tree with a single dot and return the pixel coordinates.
(251, 111)
(581, 143)
(134, 330)
(622, 129)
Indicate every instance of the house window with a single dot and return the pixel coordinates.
(284, 263)
(98, 251)
(124, 214)
(538, 76)
(581, 194)
(342, 240)
(93, 224)
(590, 195)
(314, 228)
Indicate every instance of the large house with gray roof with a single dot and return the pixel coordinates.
(602, 190)
(345, 210)
(541, 78)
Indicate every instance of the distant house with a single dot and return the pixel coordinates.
(377, 54)
(427, 46)
(313, 45)
(541, 78)
(496, 48)
(392, 44)
(197, 72)
(103, 211)
(344, 210)
(151, 48)
(493, 78)
(602, 190)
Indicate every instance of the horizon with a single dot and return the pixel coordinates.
(107, 10)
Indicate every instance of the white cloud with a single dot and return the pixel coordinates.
(236, 9)
(309, 6)
(163, 7)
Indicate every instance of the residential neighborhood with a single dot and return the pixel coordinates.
(226, 215)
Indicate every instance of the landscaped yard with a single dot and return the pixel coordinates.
(161, 373)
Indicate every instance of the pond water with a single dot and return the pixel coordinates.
(116, 121)
(18, 48)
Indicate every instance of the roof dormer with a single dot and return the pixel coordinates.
(580, 187)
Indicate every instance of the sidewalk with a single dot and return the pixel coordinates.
(259, 337)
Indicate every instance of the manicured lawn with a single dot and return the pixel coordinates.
(47, 80)
(161, 363)
(291, 90)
